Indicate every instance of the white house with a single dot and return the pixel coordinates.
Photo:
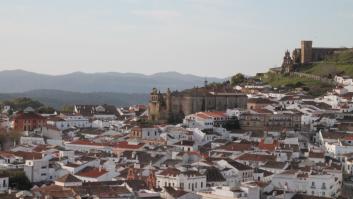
(188, 180)
(344, 80)
(87, 146)
(38, 170)
(66, 121)
(314, 183)
(233, 170)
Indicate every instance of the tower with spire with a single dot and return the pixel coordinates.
(287, 64)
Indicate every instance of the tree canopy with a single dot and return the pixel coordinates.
(22, 103)
(237, 79)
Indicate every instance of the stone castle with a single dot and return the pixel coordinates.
(173, 106)
(306, 54)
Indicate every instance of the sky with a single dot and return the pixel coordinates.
(216, 38)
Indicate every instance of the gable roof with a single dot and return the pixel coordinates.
(256, 157)
(68, 178)
(91, 172)
(175, 193)
(239, 166)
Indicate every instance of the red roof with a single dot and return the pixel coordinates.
(28, 155)
(236, 147)
(41, 147)
(170, 172)
(202, 116)
(256, 157)
(268, 146)
(206, 115)
(348, 137)
(85, 142)
(28, 116)
(92, 172)
(126, 145)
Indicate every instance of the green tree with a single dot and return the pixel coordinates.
(232, 124)
(67, 109)
(19, 181)
(23, 102)
(10, 112)
(237, 79)
(46, 109)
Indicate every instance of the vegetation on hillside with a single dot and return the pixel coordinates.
(339, 63)
(21, 103)
(313, 87)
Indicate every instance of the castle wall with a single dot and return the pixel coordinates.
(319, 54)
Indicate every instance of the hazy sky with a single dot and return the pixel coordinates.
(202, 37)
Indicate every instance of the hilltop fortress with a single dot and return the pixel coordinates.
(173, 106)
(306, 54)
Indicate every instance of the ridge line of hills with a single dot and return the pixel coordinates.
(120, 89)
(17, 81)
(59, 98)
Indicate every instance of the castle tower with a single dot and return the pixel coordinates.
(154, 105)
(306, 52)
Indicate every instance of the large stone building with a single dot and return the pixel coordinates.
(265, 119)
(306, 54)
(173, 106)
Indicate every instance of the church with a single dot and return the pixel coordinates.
(173, 106)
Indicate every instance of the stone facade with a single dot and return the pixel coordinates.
(270, 121)
(175, 105)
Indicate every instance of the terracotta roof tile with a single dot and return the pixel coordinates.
(92, 172)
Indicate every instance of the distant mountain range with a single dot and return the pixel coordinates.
(17, 81)
(57, 99)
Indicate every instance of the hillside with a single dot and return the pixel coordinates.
(340, 63)
(57, 98)
(17, 81)
(313, 87)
